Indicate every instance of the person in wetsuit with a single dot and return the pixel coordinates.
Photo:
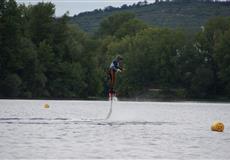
(114, 67)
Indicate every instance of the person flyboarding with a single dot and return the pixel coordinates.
(115, 66)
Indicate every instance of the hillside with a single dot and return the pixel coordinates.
(187, 15)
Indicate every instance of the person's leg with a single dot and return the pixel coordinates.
(113, 78)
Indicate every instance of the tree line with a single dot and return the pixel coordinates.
(186, 14)
(42, 56)
(145, 3)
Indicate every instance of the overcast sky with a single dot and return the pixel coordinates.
(77, 6)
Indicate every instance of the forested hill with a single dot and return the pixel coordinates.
(174, 14)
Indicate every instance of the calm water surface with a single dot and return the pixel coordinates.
(73, 129)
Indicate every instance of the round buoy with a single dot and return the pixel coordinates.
(217, 126)
(46, 106)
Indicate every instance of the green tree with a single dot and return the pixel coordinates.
(10, 59)
(222, 57)
(111, 24)
(41, 22)
(11, 85)
(28, 51)
(131, 27)
(69, 82)
(207, 43)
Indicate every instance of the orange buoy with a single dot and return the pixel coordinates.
(217, 126)
(46, 106)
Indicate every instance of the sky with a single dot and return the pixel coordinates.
(78, 6)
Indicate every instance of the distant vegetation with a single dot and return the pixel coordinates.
(186, 14)
(46, 57)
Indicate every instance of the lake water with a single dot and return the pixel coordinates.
(73, 129)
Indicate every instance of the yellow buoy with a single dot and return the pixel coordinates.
(217, 126)
(46, 106)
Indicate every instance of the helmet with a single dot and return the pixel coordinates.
(119, 57)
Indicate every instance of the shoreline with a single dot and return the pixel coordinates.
(123, 99)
